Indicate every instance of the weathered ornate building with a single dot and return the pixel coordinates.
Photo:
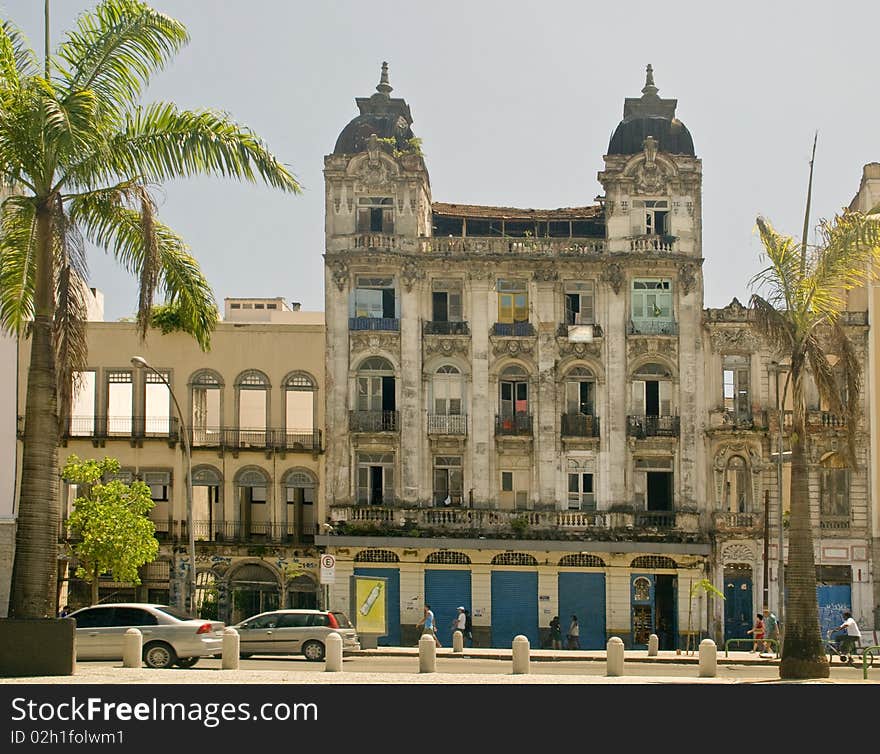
(531, 413)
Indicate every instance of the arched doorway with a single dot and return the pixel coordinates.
(302, 592)
(254, 589)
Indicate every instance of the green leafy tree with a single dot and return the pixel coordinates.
(109, 523)
(81, 155)
(803, 294)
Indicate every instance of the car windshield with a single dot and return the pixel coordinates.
(342, 620)
(174, 612)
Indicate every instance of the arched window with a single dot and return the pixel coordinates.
(376, 399)
(207, 506)
(300, 398)
(252, 486)
(207, 407)
(834, 478)
(300, 487)
(252, 395)
(514, 391)
(737, 489)
(376, 556)
(514, 559)
(652, 391)
(446, 415)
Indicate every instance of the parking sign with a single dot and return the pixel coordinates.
(328, 568)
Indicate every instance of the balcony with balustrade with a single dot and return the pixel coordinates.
(446, 328)
(643, 427)
(579, 430)
(135, 429)
(373, 421)
(651, 243)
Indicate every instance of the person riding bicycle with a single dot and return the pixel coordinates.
(850, 640)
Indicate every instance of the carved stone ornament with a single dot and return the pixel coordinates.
(512, 346)
(372, 173)
(737, 554)
(446, 346)
(741, 338)
(612, 274)
(750, 456)
(373, 342)
(340, 274)
(649, 175)
(686, 278)
(581, 350)
(667, 347)
(410, 273)
(545, 274)
(481, 272)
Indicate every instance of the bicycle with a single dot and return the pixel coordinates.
(845, 647)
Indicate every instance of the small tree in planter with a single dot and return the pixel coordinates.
(703, 586)
(110, 522)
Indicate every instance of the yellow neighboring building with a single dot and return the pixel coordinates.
(253, 408)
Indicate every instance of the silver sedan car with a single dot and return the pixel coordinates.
(295, 631)
(170, 637)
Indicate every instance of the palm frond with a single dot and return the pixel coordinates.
(17, 59)
(18, 232)
(773, 325)
(110, 221)
(160, 143)
(823, 373)
(117, 48)
(778, 282)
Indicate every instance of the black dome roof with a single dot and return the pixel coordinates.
(672, 135)
(385, 116)
(650, 115)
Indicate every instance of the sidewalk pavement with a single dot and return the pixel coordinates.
(94, 673)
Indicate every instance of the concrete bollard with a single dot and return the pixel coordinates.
(708, 659)
(427, 654)
(653, 645)
(520, 654)
(230, 655)
(457, 641)
(333, 653)
(614, 663)
(133, 649)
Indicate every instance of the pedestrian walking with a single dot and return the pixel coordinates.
(757, 632)
(574, 633)
(459, 622)
(468, 628)
(428, 624)
(771, 630)
(555, 633)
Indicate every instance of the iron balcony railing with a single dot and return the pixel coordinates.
(373, 323)
(373, 421)
(519, 423)
(653, 426)
(137, 427)
(513, 329)
(446, 328)
(447, 424)
(580, 425)
(653, 327)
(241, 531)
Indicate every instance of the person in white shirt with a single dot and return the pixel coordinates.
(851, 640)
(460, 622)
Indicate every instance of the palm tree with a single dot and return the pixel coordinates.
(80, 155)
(804, 293)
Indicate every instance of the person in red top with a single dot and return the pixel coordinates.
(757, 632)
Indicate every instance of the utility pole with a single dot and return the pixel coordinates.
(766, 592)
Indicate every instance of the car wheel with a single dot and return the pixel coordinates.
(186, 662)
(313, 651)
(159, 655)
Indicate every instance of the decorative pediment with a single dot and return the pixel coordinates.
(373, 342)
(446, 346)
(741, 338)
(512, 346)
(737, 553)
(579, 349)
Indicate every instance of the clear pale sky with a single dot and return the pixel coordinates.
(515, 103)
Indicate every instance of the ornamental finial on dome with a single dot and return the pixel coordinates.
(383, 86)
(649, 90)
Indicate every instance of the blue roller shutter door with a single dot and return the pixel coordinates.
(393, 576)
(514, 607)
(833, 599)
(445, 590)
(583, 595)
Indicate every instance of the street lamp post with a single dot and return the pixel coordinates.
(189, 602)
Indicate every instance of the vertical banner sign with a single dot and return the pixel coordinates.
(328, 568)
(370, 604)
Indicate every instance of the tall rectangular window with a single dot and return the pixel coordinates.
(374, 298)
(513, 301)
(120, 395)
(650, 217)
(446, 301)
(375, 214)
(375, 478)
(834, 492)
(580, 492)
(514, 493)
(735, 379)
(651, 300)
(579, 303)
(447, 480)
(157, 404)
(82, 409)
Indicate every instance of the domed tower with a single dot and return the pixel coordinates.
(377, 208)
(652, 181)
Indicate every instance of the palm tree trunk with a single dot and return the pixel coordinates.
(35, 569)
(803, 653)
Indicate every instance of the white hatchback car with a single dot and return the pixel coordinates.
(170, 636)
(293, 631)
